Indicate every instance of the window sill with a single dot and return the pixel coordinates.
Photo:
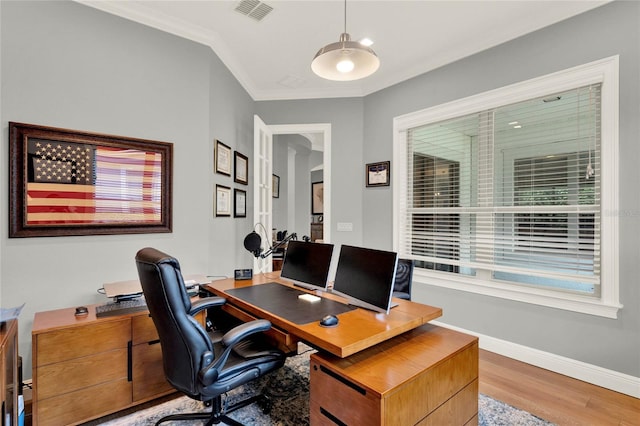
(535, 296)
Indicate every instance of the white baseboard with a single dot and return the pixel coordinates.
(619, 382)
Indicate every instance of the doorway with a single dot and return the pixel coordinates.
(263, 175)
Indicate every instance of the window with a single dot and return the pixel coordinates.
(503, 193)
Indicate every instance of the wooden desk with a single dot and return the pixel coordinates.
(358, 329)
(427, 376)
(379, 369)
(86, 367)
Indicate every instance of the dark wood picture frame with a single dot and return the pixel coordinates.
(222, 163)
(317, 198)
(275, 182)
(241, 168)
(239, 203)
(223, 201)
(92, 184)
(378, 174)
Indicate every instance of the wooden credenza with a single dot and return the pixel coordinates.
(86, 367)
(427, 376)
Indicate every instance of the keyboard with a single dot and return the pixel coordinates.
(121, 308)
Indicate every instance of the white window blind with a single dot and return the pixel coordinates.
(509, 194)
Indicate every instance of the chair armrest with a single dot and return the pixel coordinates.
(207, 302)
(209, 373)
(241, 332)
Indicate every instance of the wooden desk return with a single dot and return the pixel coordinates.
(378, 369)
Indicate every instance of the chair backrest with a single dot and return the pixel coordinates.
(184, 341)
(404, 276)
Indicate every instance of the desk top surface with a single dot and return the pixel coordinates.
(357, 329)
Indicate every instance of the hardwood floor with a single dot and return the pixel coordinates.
(554, 397)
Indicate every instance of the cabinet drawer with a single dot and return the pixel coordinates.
(460, 409)
(80, 373)
(148, 374)
(434, 386)
(335, 397)
(83, 404)
(142, 329)
(77, 342)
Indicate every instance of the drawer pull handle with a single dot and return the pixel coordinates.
(129, 361)
(343, 380)
(332, 417)
(154, 342)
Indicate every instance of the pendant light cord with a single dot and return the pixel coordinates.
(345, 16)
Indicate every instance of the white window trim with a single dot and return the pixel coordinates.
(603, 71)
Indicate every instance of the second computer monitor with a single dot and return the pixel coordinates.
(307, 264)
(366, 277)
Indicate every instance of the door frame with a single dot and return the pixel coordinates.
(259, 178)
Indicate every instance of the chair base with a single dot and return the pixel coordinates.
(216, 416)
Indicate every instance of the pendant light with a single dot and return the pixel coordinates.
(345, 60)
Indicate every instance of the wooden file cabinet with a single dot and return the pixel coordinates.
(427, 376)
(88, 367)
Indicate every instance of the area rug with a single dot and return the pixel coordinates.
(288, 389)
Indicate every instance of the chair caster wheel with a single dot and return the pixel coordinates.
(265, 405)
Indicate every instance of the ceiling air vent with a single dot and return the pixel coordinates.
(254, 9)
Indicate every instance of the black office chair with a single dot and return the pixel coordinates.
(193, 364)
(404, 276)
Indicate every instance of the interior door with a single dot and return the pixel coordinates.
(262, 191)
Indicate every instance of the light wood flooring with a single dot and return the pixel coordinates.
(554, 397)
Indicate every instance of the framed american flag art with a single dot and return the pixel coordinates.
(68, 182)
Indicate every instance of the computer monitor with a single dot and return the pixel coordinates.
(307, 264)
(366, 277)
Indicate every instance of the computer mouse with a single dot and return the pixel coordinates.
(81, 310)
(329, 321)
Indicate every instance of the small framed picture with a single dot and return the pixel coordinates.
(276, 186)
(317, 198)
(222, 159)
(223, 201)
(378, 174)
(239, 203)
(241, 168)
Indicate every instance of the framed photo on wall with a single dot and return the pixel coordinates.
(275, 186)
(378, 174)
(223, 201)
(239, 203)
(241, 168)
(70, 182)
(317, 198)
(222, 159)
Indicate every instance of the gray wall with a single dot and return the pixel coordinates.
(71, 66)
(67, 65)
(230, 119)
(606, 31)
